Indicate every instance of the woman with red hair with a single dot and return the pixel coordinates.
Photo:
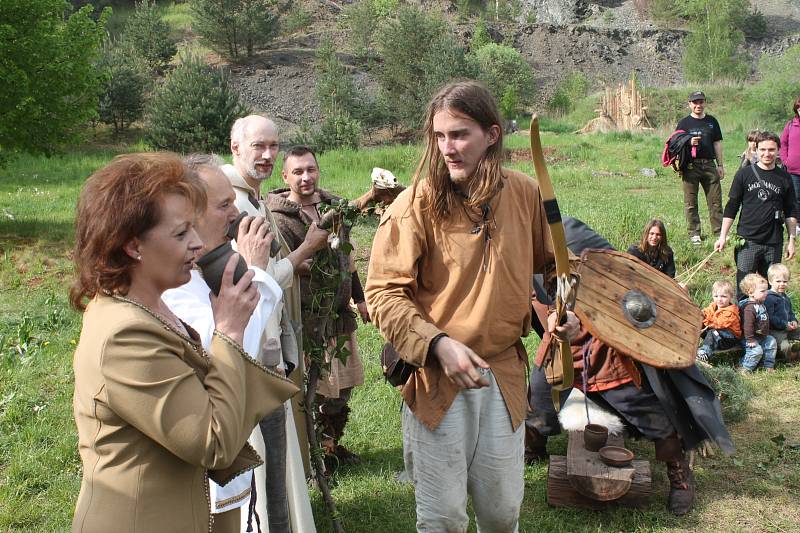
(156, 415)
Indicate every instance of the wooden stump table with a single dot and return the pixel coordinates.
(582, 480)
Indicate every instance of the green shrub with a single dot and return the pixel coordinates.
(507, 74)
(47, 64)
(712, 46)
(419, 54)
(125, 83)
(360, 22)
(480, 36)
(338, 130)
(568, 91)
(193, 110)
(297, 19)
(233, 28)
(148, 35)
(779, 85)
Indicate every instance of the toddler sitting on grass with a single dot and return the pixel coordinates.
(758, 344)
(723, 328)
(782, 320)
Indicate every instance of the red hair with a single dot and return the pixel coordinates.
(119, 202)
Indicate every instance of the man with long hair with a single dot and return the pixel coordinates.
(449, 284)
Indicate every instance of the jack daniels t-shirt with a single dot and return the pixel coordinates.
(765, 203)
(708, 130)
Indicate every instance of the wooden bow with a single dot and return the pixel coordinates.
(560, 355)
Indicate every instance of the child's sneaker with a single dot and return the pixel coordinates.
(702, 356)
(695, 239)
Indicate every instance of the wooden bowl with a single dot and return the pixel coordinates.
(615, 456)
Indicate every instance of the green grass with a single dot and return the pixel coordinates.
(597, 178)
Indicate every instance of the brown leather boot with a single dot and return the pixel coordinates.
(681, 487)
(681, 479)
(535, 446)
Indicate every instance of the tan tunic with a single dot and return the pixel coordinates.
(155, 413)
(425, 279)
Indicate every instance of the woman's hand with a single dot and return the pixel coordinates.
(235, 304)
(254, 241)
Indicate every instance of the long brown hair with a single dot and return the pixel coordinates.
(474, 100)
(661, 251)
(796, 106)
(121, 201)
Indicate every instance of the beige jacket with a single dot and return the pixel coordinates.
(155, 413)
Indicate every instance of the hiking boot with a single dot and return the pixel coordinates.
(535, 446)
(695, 239)
(681, 487)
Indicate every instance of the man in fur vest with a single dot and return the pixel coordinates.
(295, 208)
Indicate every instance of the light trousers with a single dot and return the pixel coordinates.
(473, 451)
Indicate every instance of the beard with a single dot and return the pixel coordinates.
(254, 173)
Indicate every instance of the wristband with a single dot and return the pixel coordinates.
(434, 341)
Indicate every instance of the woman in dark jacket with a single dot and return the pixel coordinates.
(653, 248)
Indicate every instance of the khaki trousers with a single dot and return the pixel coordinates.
(473, 451)
(703, 173)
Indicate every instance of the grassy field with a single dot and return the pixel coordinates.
(598, 178)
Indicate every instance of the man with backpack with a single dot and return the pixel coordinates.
(765, 194)
(705, 168)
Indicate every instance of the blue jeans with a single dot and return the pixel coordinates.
(765, 347)
(717, 339)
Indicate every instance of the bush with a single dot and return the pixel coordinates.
(712, 46)
(334, 87)
(235, 27)
(338, 130)
(47, 64)
(297, 19)
(568, 91)
(360, 21)
(779, 86)
(125, 83)
(193, 110)
(507, 74)
(148, 35)
(480, 36)
(419, 54)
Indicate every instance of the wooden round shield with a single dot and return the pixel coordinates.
(637, 310)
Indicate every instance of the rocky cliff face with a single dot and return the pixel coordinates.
(605, 39)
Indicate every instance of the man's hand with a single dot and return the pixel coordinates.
(460, 364)
(721, 171)
(791, 326)
(567, 331)
(304, 268)
(696, 140)
(316, 237)
(752, 344)
(790, 249)
(254, 240)
(362, 310)
(720, 244)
